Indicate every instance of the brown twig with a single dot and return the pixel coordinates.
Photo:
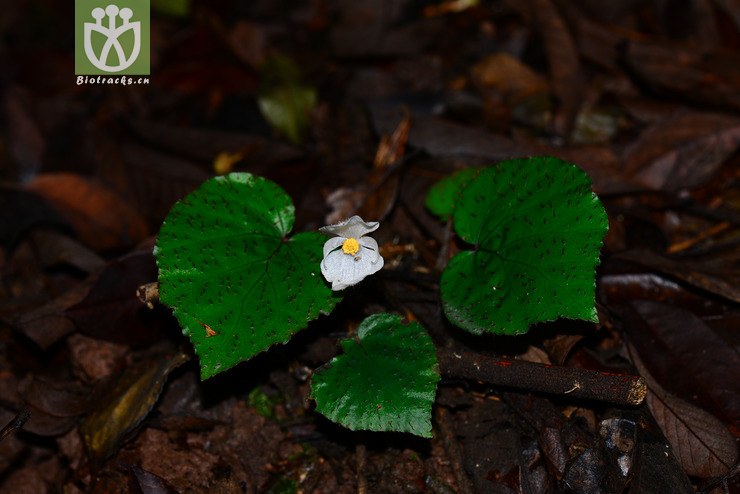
(15, 424)
(708, 233)
(575, 382)
(361, 456)
(444, 251)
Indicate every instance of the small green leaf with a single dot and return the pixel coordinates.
(236, 283)
(284, 101)
(386, 379)
(443, 195)
(537, 230)
(175, 8)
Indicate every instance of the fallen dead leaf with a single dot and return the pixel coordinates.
(685, 355)
(101, 218)
(701, 443)
(126, 404)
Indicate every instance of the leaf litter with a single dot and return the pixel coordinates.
(643, 100)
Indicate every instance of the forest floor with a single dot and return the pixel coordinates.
(102, 394)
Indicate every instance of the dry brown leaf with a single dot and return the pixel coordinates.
(686, 356)
(508, 76)
(717, 273)
(382, 184)
(55, 248)
(49, 323)
(566, 78)
(707, 78)
(701, 443)
(100, 217)
(684, 150)
(126, 405)
(443, 138)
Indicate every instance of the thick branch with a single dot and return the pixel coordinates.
(575, 382)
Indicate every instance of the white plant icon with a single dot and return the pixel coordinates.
(112, 33)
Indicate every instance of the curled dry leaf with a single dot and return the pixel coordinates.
(702, 444)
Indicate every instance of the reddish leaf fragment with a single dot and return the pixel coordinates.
(209, 331)
(99, 216)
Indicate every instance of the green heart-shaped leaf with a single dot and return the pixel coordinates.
(537, 229)
(386, 379)
(236, 283)
(443, 195)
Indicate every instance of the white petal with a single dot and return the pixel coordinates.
(370, 248)
(331, 244)
(354, 227)
(344, 270)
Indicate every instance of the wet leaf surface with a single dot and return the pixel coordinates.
(236, 282)
(641, 96)
(535, 249)
(385, 380)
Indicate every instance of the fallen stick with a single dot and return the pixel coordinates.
(575, 382)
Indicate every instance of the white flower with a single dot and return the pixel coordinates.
(350, 256)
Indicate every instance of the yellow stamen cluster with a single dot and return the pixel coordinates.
(351, 246)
